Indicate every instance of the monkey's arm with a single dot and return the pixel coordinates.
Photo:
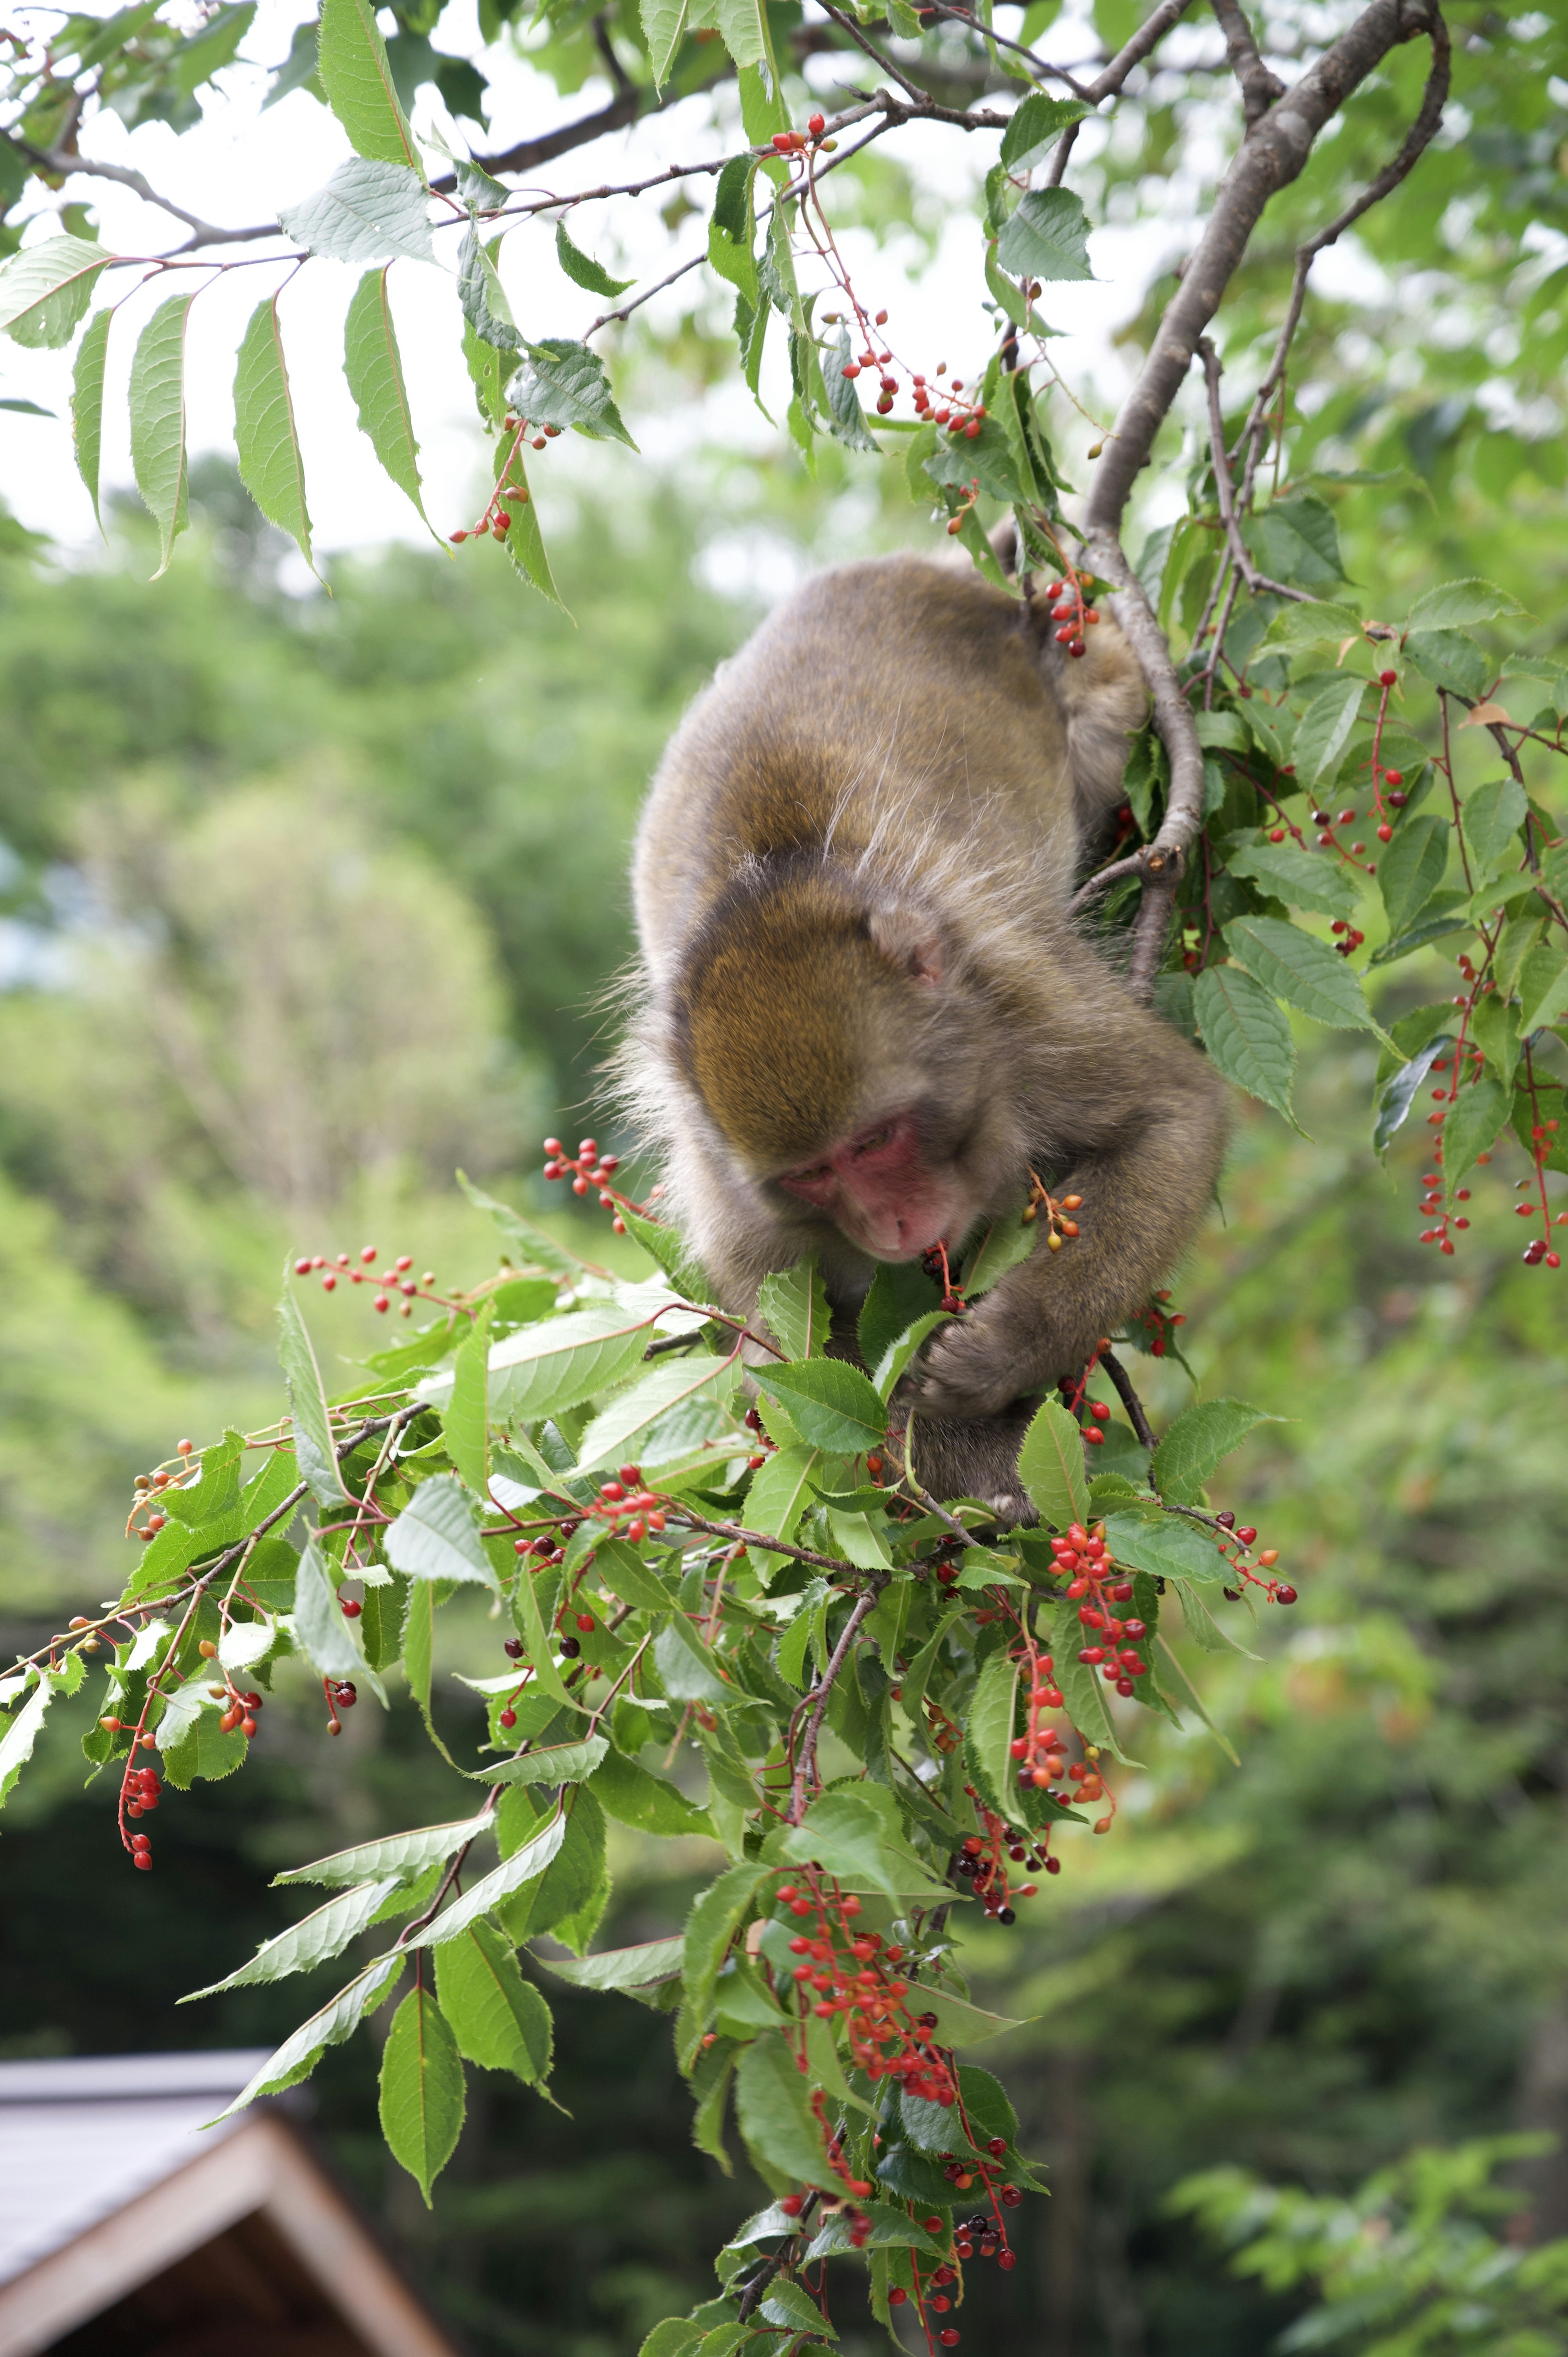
(1145, 1169)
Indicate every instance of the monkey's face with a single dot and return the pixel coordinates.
(882, 1188)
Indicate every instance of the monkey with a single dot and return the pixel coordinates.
(865, 1019)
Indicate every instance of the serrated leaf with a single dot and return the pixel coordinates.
(481, 294)
(845, 1833)
(322, 1634)
(556, 1763)
(466, 1422)
(688, 1669)
(245, 1641)
(1036, 127)
(568, 1898)
(1201, 1625)
(663, 23)
(272, 466)
(1006, 1242)
(45, 289)
(635, 1796)
(779, 1493)
(1492, 816)
(732, 231)
(158, 421)
(715, 1916)
(794, 1303)
(787, 2303)
(1247, 1038)
(1401, 1090)
(499, 2019)
(422, 2089)
(1475, 1120)
(369, 211)
(622, 1968)
(564, 383)
(1324, 729)
(317, 1936)
(1296, 967)
(1291, 874)
(1050, 1466)
(1196, 1442)
(829, 1404)
(312, 1445)
(989, 1733)
(1412, 867)
(556, 1365)
(299, 2053)
(526, 1865)
(403, 1854)
(1448, 658)
(351, 61)
(631, 1412)
(21, 1727)
(1459, 604)
(372, 366)
(436, 1537)
(1542, 985)
(1316, 624)
(625, 1574)
(582, 269)
(1046, 238)
(773, 2107)
(845, 418)
(87, 403)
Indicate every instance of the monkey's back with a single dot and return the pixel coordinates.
(896, 711)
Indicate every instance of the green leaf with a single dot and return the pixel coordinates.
(900, 1292)
(773, 2106)
(1036, 127)
(1164, 1545)
(711, 1924)
(1247, 1036)
(740, 27)
(321, 1629)
(1543, 987)
(1288, 873)
(326, 1933)
(272, 466)
(1003, 1246)
(299, 2053)
(436, 1537)
(21, 1727)
(1400, 1092)
(891, 2226)
(404, 1855)
(556, 1764)
(845, 1833)
(1317, 624)
(575, 1877)
(1050, 1466)
(499, 2019)
(1201, 1625)
(352, 63)
(846, 419)
(530, 1243)
(45, 290)
(663, 23)
(556, 1365)
(665, 1386)
(1475, 1120)
(829, 1404)
(482, 296)
(564, 383)
(1197, 1441)
(732, 231)
(87, 403)
(313, 1445)
(1046, 238)
(465, 1423)
(582, 269)
(622, 1968)
(1448, 658)
(956, 461)
(421, 2092)
(989, 1731)
(1492, 816)
(688, 1669)
(158, 421)
(635, 1796)
(1459, 604)
(779, 1493)
(787, 2303)
(626, 1575)
(366, 212)
(1324, 729)
(526, 1865)
(1410, 869)
(372, 366)
(1297, 968)
(794, 1302)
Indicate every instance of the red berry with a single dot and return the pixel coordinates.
(141, 1857)
(949, 2336)
(1388, 679)
(1393, 777)
(586, 1622)
(302, 1267)
(996, 2147)
(509, 1718)
(1285, 1595)
(816, 125)
(352, 1607)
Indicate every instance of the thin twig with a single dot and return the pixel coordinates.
(1129, 1398)
(204, 233)
(1260, 86)
(1225, 493)
(805, 1759)
(864, 41)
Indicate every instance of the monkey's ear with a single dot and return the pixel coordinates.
(911, 940)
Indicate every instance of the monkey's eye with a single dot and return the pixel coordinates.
(873, 1143)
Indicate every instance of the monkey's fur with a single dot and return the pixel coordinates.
(851, 883)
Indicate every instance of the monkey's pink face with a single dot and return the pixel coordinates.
(879, 1189)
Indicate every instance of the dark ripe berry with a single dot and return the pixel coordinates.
(996, 2147)
(1012, 2195)
(352, 1607)
(513, 1648)
(1285, 1595)
(1227, 1521)
(1053, 1866)
(346, 1696)
(1005, 1915)
(571, 1648)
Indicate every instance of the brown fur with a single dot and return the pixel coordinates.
(851, 885)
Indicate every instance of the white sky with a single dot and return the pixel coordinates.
(240, 163)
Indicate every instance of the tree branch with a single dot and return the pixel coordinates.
(1225, 492)
(1260, 87)
(805, 1757)
(1129, 1398)
(204, 233)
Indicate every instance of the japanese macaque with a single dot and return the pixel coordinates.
(869, 1017)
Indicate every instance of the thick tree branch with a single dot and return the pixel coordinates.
(1260, 87)
(204, 233)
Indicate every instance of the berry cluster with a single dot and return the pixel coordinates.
(1070, 610)
(1058, 1225)
(1235, 1547)
(509, 483)
(147, 1487)
(341, 1695)
(589, 1168)
(1464, 1064)
(854, 1973)
(1156, 1325)
(240, 1709)
(139, 1795)
(395, 1280)
(934, 1261)
(983, 1861)
(630, 1510)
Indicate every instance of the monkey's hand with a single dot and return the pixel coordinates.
(1010, 1343)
